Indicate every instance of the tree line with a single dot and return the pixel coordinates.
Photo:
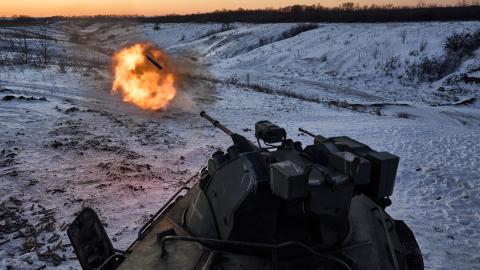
(346, 13)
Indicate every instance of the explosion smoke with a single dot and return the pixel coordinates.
(180, 83)
(140, 82)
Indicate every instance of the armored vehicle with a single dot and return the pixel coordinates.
(272, 204)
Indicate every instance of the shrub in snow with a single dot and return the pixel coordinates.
(458, 47)
(225, 27)
(392, 63)
(377, 111)
(423, 45)
(61, 67)
(428, 69)
(403, 115)
(463, 43)
(293, 31)
(264, 41)
(234, 79)
(296, 30)
(414, 53)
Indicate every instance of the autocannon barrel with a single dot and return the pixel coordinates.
(317, 138)
(306, 132)
(216, 123)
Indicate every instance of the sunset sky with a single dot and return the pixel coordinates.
(161, 7)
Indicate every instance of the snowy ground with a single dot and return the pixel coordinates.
(68, 143)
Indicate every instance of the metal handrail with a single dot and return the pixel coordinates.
(146, 227)
(109, 259)
(272, 247)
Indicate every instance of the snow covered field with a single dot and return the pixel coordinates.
(67, 143)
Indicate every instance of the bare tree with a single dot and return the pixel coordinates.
(421, 4)
(348, 6)
(24, 45)
(7, 39)
(403, 35)
(44, 39)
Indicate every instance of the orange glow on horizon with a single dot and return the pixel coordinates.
(162, 7)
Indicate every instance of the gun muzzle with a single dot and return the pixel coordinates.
(153, 61)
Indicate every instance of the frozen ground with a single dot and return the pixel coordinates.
(68, 143)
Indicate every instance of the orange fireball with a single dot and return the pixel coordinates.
(139, 81)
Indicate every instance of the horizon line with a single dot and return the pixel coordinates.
(357, 6)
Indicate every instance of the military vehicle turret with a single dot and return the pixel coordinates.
(273, 204)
